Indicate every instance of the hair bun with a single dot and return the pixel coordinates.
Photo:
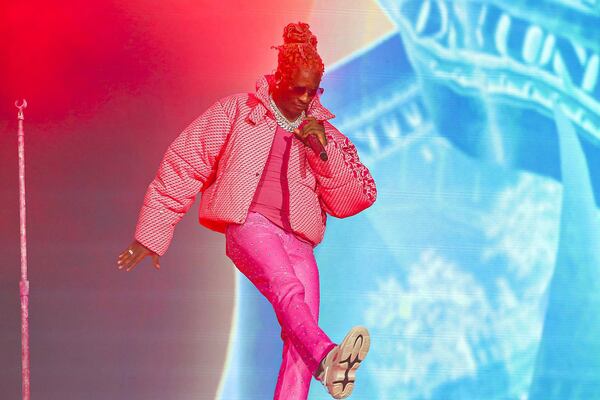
(299, 33)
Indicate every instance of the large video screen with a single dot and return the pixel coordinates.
(477, 270)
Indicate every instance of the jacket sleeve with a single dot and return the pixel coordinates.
(186, 169)
(344, 185)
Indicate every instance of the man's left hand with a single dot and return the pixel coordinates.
(312, 127)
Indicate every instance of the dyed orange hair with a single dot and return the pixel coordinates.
(299, 48)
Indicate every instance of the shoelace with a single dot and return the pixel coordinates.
(324, 381)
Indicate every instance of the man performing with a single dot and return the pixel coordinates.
(269, 192)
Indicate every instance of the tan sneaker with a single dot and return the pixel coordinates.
(339, 366)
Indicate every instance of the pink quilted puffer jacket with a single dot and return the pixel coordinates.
(223, 153)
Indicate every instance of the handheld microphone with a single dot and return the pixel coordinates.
(315, 144)
(317, 147)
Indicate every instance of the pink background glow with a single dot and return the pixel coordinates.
(109, 86)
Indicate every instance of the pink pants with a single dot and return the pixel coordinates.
(284, 270)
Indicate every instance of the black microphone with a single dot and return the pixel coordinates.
(317, 147)
(315, 144)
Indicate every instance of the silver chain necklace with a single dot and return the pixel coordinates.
(282, 121)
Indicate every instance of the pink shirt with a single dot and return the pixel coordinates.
(272, 196)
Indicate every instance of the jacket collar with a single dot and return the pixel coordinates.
(315, 108)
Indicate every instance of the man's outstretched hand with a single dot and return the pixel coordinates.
(135, 253)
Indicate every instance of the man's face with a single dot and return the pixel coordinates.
(296, 92)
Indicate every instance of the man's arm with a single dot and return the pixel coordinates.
(186, 169)
(344, 185)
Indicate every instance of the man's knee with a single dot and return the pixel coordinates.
(287, 291)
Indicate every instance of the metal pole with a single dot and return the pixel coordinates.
(24, 284)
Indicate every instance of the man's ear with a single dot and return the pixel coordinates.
(278, 77)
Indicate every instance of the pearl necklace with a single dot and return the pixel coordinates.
(282, 121)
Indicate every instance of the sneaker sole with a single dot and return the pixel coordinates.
(353, 350)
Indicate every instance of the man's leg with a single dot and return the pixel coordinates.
(258, 251)
(295, 376)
